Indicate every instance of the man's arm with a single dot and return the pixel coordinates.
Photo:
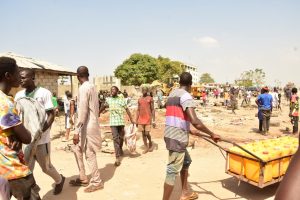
(152, 111)
(83, 107)
(290, 185)
(137, 113)
(129, 115)
(22, 134)
(50, 119)
(49, 110)
(102, 108)
(257, 101)
(72, 108)
(197, 123)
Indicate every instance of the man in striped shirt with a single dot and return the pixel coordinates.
(180, 112)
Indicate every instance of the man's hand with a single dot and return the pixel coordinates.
(14, 143)
(153, 124)
(216, 138)
(76, 139)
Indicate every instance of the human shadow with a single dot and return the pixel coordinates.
(240, 189)
(58, 135)
(247, 190)
(108, 172)
(286, 131)
(68, 192)
(256, 131)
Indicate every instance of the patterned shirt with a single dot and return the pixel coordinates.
(10, 165)
(294, 108)
(177, 122)
(117, 106)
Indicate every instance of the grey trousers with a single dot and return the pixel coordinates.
(118, 133)
(266, 120)
(42, 156)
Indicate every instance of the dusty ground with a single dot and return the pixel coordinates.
(141, 177)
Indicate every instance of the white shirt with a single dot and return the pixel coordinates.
(44, 97)
(66, 105)
(275, 99)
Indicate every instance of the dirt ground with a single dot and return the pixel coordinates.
(141, 176)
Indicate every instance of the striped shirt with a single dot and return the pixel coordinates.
(177, 122)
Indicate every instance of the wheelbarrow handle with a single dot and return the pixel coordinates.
(208, 139)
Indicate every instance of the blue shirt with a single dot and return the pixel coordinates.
(265, 101)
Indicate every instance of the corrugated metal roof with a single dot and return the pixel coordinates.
(26, 62)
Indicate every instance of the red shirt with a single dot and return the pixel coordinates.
(145, 110)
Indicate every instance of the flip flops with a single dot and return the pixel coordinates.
(93, 188)
(192, 196)
(78, 182)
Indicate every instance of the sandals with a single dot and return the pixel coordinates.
(117, 163)
(93, 188)
(192, 196)
(78, 182)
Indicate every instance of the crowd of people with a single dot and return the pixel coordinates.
(26, 120)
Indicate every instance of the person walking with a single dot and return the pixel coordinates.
(294, 110)
(159, 95)
(42, 153)
(233, 99)
(87, 140)
(69, 107)
(275, 98)
(145, 116)
(264, 102)
(117, 105)
(180, 112)
(13, 134)
(55, 104)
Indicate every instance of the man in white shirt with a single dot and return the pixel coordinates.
(42, 154)
(275, 98)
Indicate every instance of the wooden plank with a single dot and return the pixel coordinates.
(243, 178)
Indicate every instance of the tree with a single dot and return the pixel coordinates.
(167, 69)
(137, 69)
(252, 78)
(206, 78)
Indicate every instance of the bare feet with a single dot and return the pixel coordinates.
(145, 151)
(150, 147)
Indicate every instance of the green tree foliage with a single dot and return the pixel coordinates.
(252, 78)
(140, 69)
(206, 78)
(167, 69)
(137, 69)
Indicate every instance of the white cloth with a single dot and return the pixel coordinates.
(275, 101)
(33, 117)
(44, 97)
(249, 94)
(66, 105)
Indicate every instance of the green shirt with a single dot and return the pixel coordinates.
(117, 106)
(54, 102)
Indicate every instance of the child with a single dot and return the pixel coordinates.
(294, 110)
(145, 113)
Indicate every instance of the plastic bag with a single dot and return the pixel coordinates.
(130, 137)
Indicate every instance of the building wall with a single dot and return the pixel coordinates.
(194, 72)
(73, 87)
(49, 81)
(106, 82)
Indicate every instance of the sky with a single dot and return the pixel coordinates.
(223, 38)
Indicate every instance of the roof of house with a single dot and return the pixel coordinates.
(27, 62)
